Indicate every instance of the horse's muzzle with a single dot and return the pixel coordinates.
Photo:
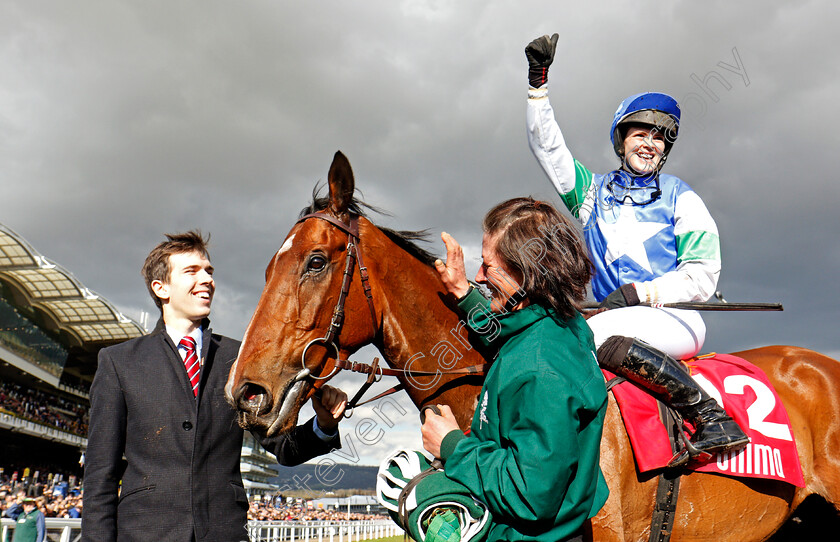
(260, 411)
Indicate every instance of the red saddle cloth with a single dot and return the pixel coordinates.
(746, 394)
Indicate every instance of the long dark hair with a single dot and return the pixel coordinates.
(541, 244)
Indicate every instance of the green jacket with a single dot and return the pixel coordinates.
(534, 445)
(30, 527)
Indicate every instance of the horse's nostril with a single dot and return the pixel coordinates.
(251, 392)
(254, 398)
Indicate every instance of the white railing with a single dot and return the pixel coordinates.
(69, 530)
(321, 531)
(58, 530)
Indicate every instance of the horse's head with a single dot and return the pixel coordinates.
(291, 344)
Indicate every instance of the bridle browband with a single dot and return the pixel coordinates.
(330, 339)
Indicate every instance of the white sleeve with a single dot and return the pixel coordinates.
(690, 281)
(698, 247)
(547, 143)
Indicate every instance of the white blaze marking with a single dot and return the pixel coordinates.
(286, 246)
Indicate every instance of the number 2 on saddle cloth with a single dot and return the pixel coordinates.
(746, 394)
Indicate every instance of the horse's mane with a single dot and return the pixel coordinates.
(406, 240)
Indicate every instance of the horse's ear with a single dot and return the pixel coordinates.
(341, 183)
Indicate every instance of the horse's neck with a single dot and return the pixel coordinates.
(419, 328)
(420, 331)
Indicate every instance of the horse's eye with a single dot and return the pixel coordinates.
(316, 263)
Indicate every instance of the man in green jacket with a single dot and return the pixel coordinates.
(532, 453)
(30, 525)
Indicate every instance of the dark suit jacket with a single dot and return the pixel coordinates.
(181, 470)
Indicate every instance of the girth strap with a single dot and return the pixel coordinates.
(668, 488)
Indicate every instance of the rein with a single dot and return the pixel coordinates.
(330, 339)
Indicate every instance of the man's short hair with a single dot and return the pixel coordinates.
(545, 247)
(156, 266)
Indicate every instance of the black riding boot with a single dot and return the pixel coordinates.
(669, 381)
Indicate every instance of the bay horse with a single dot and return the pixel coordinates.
(397, 302)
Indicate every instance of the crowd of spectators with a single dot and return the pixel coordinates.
(279, 510)
(43, 408)
(64, 500)
(55, 500)
(58, 499)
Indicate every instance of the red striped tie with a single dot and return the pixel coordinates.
(191, 363)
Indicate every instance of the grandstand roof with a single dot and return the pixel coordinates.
(56, 301)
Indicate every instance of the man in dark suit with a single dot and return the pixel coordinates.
(162, 462)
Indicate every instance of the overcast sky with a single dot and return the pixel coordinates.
(120, 121)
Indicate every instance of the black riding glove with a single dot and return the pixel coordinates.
(623, 296)
(540, 54)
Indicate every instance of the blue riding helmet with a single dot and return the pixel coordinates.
(651, 108)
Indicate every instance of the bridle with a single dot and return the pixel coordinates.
(330, 338)
(354, 255)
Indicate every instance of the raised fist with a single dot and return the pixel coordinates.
(540, 55)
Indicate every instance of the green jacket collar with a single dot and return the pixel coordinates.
(513, 322)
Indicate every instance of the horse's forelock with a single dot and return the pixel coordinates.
(321, 203)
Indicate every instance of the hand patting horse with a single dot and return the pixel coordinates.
(396, 302)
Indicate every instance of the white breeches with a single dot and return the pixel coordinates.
(678, 333)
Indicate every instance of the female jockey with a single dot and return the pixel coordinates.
(651, 240)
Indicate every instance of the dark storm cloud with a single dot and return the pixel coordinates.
(122, 120)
